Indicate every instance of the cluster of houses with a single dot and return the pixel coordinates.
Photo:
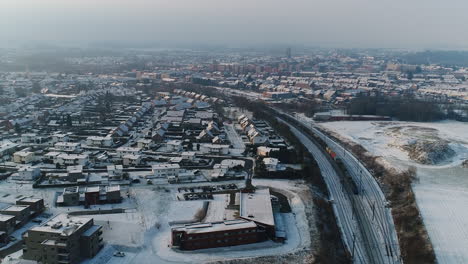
(259, 133)
(93, 195)
(174, 136)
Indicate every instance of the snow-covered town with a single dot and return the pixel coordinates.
(159, 177)
(232, 156)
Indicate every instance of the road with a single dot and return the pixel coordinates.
(234, 138)
(378, 227)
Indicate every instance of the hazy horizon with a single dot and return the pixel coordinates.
(332, 23)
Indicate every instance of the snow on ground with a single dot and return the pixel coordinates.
(235, 139)
(114, 224)
(267, 248)
(184, 211)
(442, 192)
(379, 138)
(156, 205)
(143, 232)
(15, 258)
(296, 228)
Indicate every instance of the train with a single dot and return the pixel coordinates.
(346, 178)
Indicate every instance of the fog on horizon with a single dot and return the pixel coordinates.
(339, 23)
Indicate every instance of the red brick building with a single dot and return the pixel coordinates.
(254, 223)
(219, 234)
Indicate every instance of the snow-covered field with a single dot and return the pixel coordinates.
(146, 238)
(143, 232)
(442, 192)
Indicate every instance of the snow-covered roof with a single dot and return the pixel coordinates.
(257, 207)
(216, 226)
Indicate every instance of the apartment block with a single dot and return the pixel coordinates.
(64, 239)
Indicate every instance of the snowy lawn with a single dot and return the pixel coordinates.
(148, 232)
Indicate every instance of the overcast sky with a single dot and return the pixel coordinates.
(344, 23)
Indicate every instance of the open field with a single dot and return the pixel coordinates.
(442, 190)
(143, 232)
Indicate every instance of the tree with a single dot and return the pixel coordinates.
(410, 75)
(20, 92)
(36, 87)
(17, 128)
(69, 120)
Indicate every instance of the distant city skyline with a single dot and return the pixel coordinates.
(336, 23)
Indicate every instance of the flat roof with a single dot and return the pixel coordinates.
(6, 217)
(23, 153)
(30, 199)
(71, 189)
(257, 207)
(128, 149)
(51, 242)
(93, 189)
(16, 208)
(72, 156)
(62, 224)
(71, 144)
(113, 188)
(216, 226)
(77, 168)
(93, 229)
(165, 166)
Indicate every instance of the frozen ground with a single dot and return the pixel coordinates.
(147, 233)
(143, 232)
(442, 192)
(236, 141)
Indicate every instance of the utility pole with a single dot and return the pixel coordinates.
(354, 243)
(360, 180)
(373, 210)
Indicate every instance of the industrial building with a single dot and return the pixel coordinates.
(255, 222)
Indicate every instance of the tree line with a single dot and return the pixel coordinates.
(402, 108)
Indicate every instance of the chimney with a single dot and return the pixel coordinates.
(232, 199)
